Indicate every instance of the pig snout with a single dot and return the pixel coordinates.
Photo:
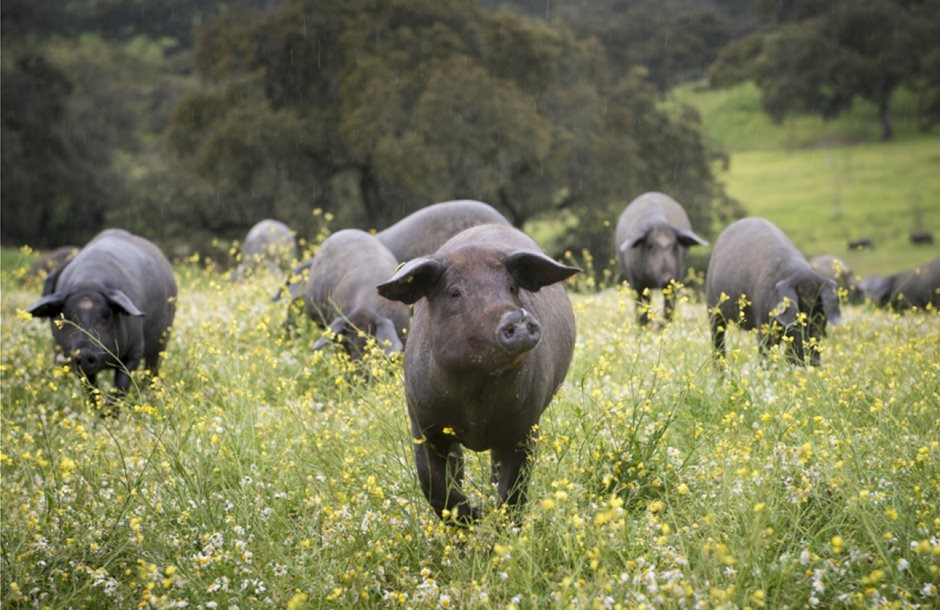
(518, 331)
(87, 361)
(665, 273)
(664, 280)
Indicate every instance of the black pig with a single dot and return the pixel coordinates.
(491, 340)
(758, 279)
(118, 298)
(422, 232)
(269, 242)
(341, 294)
(652, 239)
(917, 287)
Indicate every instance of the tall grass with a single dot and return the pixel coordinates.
(254, 473)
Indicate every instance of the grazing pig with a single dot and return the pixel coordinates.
(838, 271)
(271, 242)
(118, 298)
(422, 232)
(921, 238)
(757, 278)
(341, 293)
(863, 243)
(490, 343)
(652, 239)
(917, 287)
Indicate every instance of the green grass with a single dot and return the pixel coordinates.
(16, 261)
(734, 121)
(826, 183)
(258, 474)
(825, 197)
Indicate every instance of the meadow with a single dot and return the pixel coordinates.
(253, 473)
(828, 182)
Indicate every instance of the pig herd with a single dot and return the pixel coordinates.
(477, 307)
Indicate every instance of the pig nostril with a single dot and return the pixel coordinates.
(518, 331)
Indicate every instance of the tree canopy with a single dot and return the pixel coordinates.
(87, 89)
(374, 109)
(811, 57)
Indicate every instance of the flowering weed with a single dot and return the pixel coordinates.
(255, 473)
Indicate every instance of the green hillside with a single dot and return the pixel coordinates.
(826, 183)
(734, 120)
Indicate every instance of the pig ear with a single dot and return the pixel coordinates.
(121, 301)
(52, 280)
(48, 306)
(336, 327)
(688, 238)
(634, 240)
(386, 336)
(412, 280)
(533, 270)
(830, 301)
(786, 313)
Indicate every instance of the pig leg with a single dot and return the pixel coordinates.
(796, 354)
(122, 376)
(718, 333)
(669, 300)
(152, 363)
(770, 335)
(92, 387)
(513, 467)
(440, 471)
(294, 308)
(643, 307)
(764, 345)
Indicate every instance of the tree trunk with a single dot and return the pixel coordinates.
(515, 215)
(885, 113)
(371, 199)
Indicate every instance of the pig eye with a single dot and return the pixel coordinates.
(455, 292)
(513, 289)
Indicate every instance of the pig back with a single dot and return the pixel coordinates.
(344, 273)
(648, 209)
(749, 257)
(424, 231)
(917, 287)
(270, 239)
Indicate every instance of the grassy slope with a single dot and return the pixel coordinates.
(826, 183)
